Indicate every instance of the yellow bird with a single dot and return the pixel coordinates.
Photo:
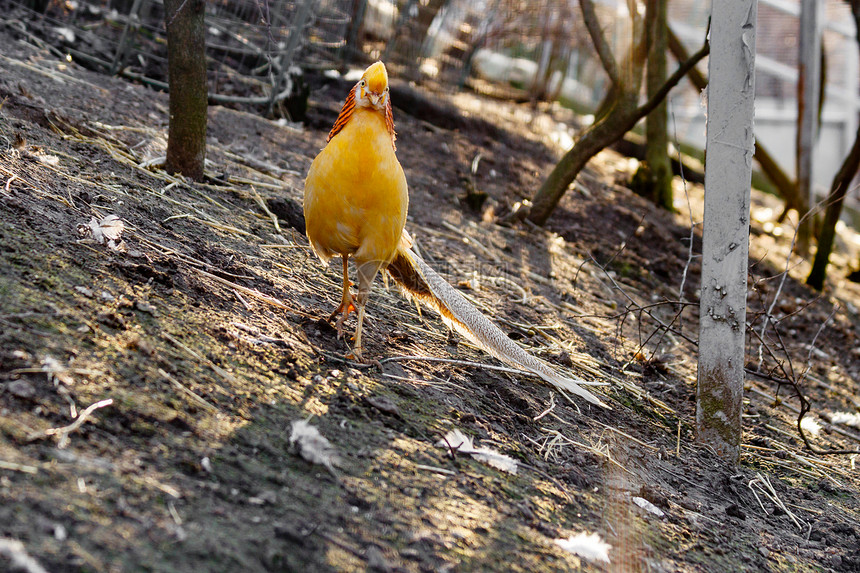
(355, 192)
(356, 200)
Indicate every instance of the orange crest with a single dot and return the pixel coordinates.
(376, 80)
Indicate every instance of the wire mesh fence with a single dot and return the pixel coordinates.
(253, 46)
(526, 50)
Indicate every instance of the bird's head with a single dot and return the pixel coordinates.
(370, 92)
(372, 88)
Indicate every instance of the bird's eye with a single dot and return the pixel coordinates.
(361, 83)
(386, 89)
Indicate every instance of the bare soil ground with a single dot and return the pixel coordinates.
(205, 333)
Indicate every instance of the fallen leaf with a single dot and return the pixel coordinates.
(586, 545)
(463, 444)
(312, 445)
(108, 232)
(56, 372)
(846, 418)
(647, 506)
(52, 160)
(810, 425)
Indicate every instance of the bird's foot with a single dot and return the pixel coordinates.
(355, 354)
(344, 309)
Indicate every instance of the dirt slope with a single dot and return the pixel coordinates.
(204, 331)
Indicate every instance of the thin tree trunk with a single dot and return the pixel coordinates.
(835, 200)
(186, 54)
(807, 114)
(621, 118)
(656, 124)
(783, 183)
(725, 245)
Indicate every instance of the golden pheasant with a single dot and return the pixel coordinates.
(356, 200)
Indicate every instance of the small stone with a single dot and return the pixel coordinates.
(144, 306)
(376, 561)
(836, 561)
(268, 496)
(383, 404)
(764, 552)
(84, 291)
(60, 533)
(21, 388)
(734, 511)
(334, 373)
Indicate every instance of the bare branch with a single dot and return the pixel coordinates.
(604, 52)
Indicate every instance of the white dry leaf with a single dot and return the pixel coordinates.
(56, 372)
(312, 445)
(463, 443)
(17, 554)
(810, 425)
(51, 160)
(846, 419)
(112, 227)
(108, 232)
(586, 545)
(66, 34)
(647, 506)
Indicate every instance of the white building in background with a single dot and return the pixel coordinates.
(506, 58)
(776, 85)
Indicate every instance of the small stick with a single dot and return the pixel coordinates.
(194, 397)
(548, 410)
(18, 467)
(9, 182)
(66, 430)
(265, 208)
(243, 301)
(435, 469)
(251, 292)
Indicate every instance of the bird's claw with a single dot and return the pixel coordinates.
(344, 309)
(355, 354)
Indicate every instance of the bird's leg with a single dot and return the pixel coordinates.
(366, 273)
(346, 303)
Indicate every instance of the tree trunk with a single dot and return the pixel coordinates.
(783, 183)
(838, 189)
(840, 186)
(601, 134)
(725, 245)
(656, 124)
(186, 54)
(807, 113)
(620, 118)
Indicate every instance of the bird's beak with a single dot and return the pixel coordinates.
(374, 98)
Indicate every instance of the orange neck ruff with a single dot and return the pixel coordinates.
(349, 108)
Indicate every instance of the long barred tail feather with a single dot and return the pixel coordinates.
(423, 283)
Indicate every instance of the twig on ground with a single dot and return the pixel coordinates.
(63, 433)
(265, 209)
(250, 292)
(220, 371)
(194, 397)
(762, 483)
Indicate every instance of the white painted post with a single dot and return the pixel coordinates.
(809, 65)
(725, 249)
